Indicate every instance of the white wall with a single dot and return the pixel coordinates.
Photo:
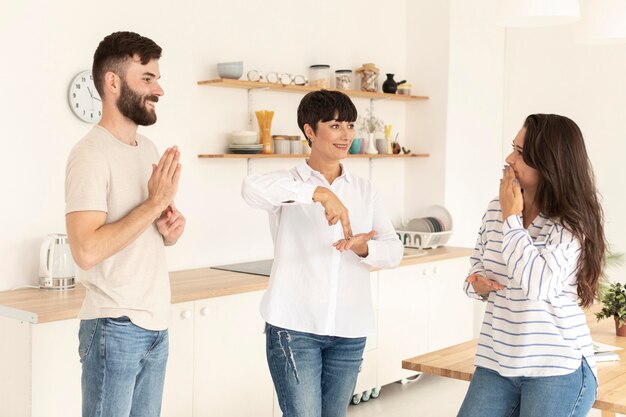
(548, 72)
(474, 122)
(44, 44)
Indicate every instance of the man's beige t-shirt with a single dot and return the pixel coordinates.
(105, 174)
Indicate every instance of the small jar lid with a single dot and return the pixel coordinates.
(278, 137)
(343, 71)
(319, 66)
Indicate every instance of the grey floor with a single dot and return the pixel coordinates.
(430, 396)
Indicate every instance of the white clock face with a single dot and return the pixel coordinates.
(84, 98)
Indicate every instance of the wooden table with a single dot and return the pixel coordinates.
(458, 362)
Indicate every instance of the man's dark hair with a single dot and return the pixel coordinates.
(324, 106)
(115, 50)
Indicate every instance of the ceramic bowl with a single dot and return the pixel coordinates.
(244, 137)
(232, 70)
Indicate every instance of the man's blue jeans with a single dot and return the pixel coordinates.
(314, 375)
(492, 395)
(123, 368)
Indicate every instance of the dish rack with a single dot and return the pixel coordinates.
(423, 240)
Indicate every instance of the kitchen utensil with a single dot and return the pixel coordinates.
(232, 70)
(56, 265)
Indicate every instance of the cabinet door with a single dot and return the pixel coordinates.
(231, 377)
(451, 312)
(178, 390)
(56, 370)
(402, 320)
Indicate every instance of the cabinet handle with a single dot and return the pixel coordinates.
(186, 315)
(436, 270)
(205, 311)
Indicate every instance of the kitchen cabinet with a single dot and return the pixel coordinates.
(231, 377)
(402, 320)
(421, 308)
(451, 312)
(217, 362)
(178, 390)
(40, 369)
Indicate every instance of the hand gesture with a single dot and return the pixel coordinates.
(482, 285)
(357, 243)
(334, 210)
(511, 201)
(163, 183)
(171, 224)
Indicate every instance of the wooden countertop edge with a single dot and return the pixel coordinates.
(37, 306)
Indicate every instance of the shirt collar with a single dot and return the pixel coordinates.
(306, 171)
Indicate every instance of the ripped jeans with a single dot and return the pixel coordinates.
(314, 375)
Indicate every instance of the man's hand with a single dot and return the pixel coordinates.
(482, 285)
(171, 225)
(357, 243)
(334, 210)
(163, 183)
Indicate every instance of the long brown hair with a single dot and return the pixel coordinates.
(555, 147)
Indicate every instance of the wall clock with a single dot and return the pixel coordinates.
(84, 98)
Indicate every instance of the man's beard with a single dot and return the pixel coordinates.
(133, 106)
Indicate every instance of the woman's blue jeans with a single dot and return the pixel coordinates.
(123, 368)
(314, 375)
(492, 395)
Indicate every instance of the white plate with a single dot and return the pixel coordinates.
(251, 146)
(440, 213)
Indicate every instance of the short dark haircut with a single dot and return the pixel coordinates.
(116, 49)
(324, 106)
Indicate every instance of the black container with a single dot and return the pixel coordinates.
(390, 86)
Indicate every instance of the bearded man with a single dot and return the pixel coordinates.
(120, 214)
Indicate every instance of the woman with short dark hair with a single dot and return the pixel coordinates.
(537, 260)
(328, 228)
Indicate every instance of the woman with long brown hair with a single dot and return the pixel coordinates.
(537, 261)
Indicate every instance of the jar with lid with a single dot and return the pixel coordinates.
(369, 77)
(319, 75)
(343, 79)
(281, 144)
(295, 145)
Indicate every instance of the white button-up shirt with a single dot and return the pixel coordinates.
(313, 287)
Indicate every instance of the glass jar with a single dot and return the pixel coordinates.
(281, 145)
(295, 145)
(343, 79)
(369, 77)
(404, 89)
(319, 76)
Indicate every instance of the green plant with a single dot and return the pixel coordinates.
(613, 303)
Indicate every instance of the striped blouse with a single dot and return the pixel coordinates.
(534, 326)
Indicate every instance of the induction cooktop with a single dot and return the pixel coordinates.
(262, 267)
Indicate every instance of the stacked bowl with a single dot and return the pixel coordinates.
(245, 141)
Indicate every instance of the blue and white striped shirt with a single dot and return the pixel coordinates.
(534, 326)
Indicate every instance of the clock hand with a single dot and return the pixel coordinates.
(96, 98)
(90, 93)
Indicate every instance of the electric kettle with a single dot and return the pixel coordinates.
(56, 265)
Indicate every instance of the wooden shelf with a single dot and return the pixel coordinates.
(303, 89)
(285, 156)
